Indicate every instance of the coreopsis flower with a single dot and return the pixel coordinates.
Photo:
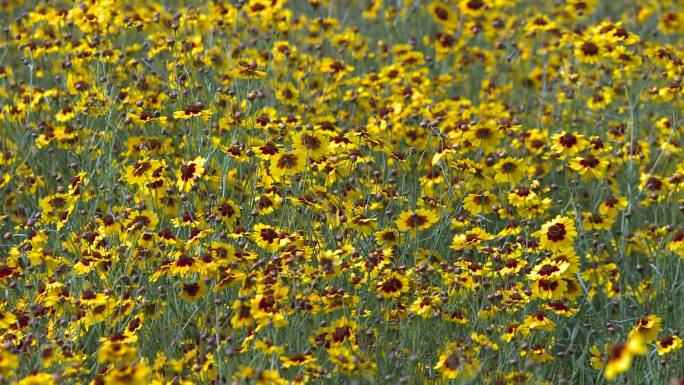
(370, 12)
(485, 135)
(458, 361)
(589, 51)
(144, 172)
(568, 143)
(480, 203)
(539, 23)
(549, 288)
(341, 331)
(138, 220)
(443, 14)
(334, 68)
(286, 163)
(668, 344)
(647, 328)
(589, 165)
(247, 70)
(268, 237)
(8, 363)
(193, 110)
(612, 205)
(118, 348)
(418, 219)
(189, 173)
(475, 7)
(425, 306)
(242, 316)
(56, 208)
(557, 234)
(509, 170)
(472, 238)
(363, 224)
(560, 308)
(393, 284)
(146, 117)
(524, 196)
(296, 360)
(513, 329)
(38, 378)
(228, 211)
(548, 268)
(596, 221)
(537, 353)
(193, 291)
(619, 357)
(539, 321)
(312, 143)
(127, 374)
(655, 187)
(350, 361)
(329, 262)
(387, 237)
(677, 244)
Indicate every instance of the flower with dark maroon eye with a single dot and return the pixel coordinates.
(557, 234)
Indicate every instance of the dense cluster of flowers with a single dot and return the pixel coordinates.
(325, 191)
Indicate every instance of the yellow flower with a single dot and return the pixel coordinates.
(596, 221)
(620, 356)
(484, 135)
(193, 110)
(7, 320)
(287, 163)
(312, 143)
(589, 50)
(475, 7)
(568, 143)
(295, 360)
(393, 285)
(589, 165)
(118, 348)
(669, 344)
(548, 268)
(458, 361)
(647, 328)
(8, 363)
(557, 234)
(387, 237)
(419, 219)
(598, 358)
(612, 205)
(549, 288)
(509, 170)
(442, 14)
(37, 379)
(144, 172)
(539, 321)
(189, 173)
(193, 291)
(57, 208)
(127, 375)
(472, 238)
(228, 211)
(480, 203)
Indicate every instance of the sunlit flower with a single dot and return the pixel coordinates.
(393, 284)
(668, 344)
(419, 219)
(558, 234)
(189, 173)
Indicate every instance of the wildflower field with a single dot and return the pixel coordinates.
(341, 192)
